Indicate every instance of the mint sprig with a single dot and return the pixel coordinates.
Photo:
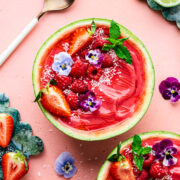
(117, 44)
(139, 152)
(116, 157)
(93, 28)
(51, 82)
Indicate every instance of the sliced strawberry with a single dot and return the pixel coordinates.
(55, 102)
(62, 81)
(79, 39)
(6, 129)
(122, 170)
(79, 69)
(14, 166)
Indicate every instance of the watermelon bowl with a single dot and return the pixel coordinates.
(124, 90)
(154, 167)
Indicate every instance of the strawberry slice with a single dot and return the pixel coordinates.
(6, 129)
(14, 166)
(55, 102)
(122, 170)
(79, 39)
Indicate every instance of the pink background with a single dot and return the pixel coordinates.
(160, 37)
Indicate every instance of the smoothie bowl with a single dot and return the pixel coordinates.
(93, 79)
(153, 155)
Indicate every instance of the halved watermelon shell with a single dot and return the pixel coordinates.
(103, 173)
(113, 130)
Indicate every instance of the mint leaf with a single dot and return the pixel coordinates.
(120, 41)
(138, 161)
(136, 145)
(126, 54)
(114, 30)
(113, 41)
(93, 27)
(146, 150)
(108, 47)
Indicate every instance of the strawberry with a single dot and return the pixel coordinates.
(78, 86)
(6, 129)
(62, 81)
(14, 165)
(99, 42)
(55, 102)
(144, 175)
(94, 73)
(107, 61)
(122, 170)
(79, 69)
(72, 99)
(80, 38)
(148, 160)
(157, 170)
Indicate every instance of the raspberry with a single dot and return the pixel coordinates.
(143, 176)
(94, 73)
(99, 42)
(72, 99)
(107, 61)
(157, 170)
(79, 69)
(148, 160)
(63, 82)
(78, 86)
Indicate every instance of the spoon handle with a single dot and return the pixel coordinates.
(17, 41)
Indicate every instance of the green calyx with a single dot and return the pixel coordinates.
(93, 28)
(139, 152)
(19, 156)
(117, 44)
(118, 156)
(46, 89)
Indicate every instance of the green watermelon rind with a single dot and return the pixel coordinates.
(105, 167)
(91, 135)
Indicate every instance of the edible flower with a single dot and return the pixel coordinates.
(64, 165)
(170, 89)
(95, 57)
(164, 150)
(62, 63)
(88, 101)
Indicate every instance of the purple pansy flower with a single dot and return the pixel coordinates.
(88, 102)
(165, 150)
(64, 165)
(95, 57)
(62, 63)
(170, 89)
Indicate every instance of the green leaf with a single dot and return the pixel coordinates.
(22, 125)
(113, 158)
(114, 30)
(32, 145)
(113, 41)
(118, 149)
(38, 97)
(153, 5)
(120, 41)
(138, 161)
(123, 53)
(53, 82)
(146, 150)
(4, 100)
(108, 47)
(93, 27)
(136, 145)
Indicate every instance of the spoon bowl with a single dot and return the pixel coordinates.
(49, 5)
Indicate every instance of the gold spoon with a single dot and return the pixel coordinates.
(49, 5)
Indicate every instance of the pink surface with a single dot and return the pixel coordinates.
(160, 37)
